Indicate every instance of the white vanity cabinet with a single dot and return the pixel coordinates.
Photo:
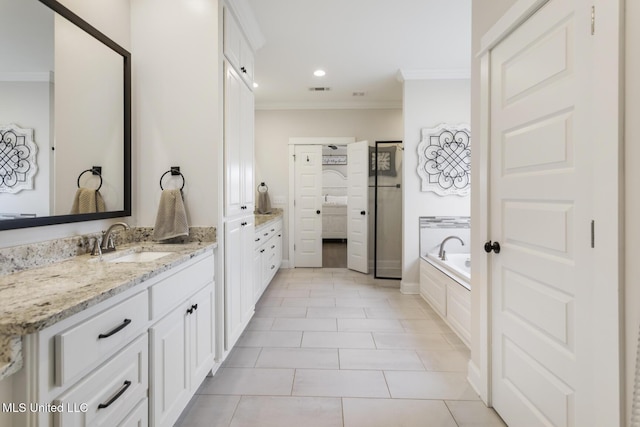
(449, 299)
(182, 342)
(134, 359)
(239, 300)
(267, 255)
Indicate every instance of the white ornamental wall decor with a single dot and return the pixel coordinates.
(444, 159)
(17, 159)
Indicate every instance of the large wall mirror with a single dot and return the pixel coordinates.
(65, 118)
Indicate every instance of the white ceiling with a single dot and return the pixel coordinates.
(361, 44)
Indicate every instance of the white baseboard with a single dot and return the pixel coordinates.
(475, 380)
(409, 288)
(285, 264)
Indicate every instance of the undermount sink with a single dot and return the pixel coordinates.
(144, 256)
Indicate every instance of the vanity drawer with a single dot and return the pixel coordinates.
(171, 291)
(82, 346)
(108, 395)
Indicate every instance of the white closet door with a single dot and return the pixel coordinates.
(308, 206)
(541, 210)
(357, 205)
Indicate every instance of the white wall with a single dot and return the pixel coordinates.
(273, 129)
(176, 102)
(427, 103)
(632, 194)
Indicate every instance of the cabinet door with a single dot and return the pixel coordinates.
(201, 325)
(232, 39)
(247, 148)
(169, 378)
(233, 281)
(257, 273)
(246, 62)
(248, 239)
(233, 156)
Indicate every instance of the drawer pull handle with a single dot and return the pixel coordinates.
(273, 266)
(116, 329)
(258, 239)
(194, 306)
(116, 396)
(266, 234)
(262, 251)
(279, 235)
(273, 246)
(273, 229)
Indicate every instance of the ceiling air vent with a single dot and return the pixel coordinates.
(319, 89)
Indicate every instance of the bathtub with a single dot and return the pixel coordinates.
(457, 267)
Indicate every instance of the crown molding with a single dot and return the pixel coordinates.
(247, 21)
(434, 74)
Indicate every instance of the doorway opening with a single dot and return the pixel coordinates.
(334, 206)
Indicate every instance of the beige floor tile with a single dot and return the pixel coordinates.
(309, 302)
(257, 411)
(396, 413)
(338, 293)
(338, 340)
(283, 324)
(298, 358)
(424, 326)
(369, 325)
(411, 341)
(314, 284)
(269, 302)
(445, 360)
(286, 293)
(241, 381)
(395, 313)
(209, 411)
(242, 357)
(339, 383)
(429, 385)
(260, 324)
(336, 312)
(393, 360)
(474, 414)
(289, 312)
(270, 339)
(378, 291)
(362, 302)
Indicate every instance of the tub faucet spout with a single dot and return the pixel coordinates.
(442, 254)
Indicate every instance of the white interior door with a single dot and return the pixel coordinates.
(357, 206)
(308, 206)
(541, 211)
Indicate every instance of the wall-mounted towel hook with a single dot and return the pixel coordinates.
(95, 170)
(174, 171)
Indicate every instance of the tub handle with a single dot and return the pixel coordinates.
(495, 247)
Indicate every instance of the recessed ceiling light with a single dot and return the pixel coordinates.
(255, 84)
(319, 73)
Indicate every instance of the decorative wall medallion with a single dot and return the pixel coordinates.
(445, 159)
(17, 159)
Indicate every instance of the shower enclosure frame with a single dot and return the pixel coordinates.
(399, 144)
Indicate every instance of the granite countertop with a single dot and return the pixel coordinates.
(33, 299)
(261, 219)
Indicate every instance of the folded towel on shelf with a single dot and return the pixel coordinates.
(171, 220)
(87, 200)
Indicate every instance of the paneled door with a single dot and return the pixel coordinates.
(541, 211)
(357, 206)
(308, 206)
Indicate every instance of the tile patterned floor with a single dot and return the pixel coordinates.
(331, 347)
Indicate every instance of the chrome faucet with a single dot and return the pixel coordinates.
(442, 254)
(106, 243)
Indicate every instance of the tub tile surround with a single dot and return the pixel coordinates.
(64, 279)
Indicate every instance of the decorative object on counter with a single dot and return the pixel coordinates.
(17, 159)
(171, 220)
(445, 159)
(88, 200)
(382, 160)
(264, 203)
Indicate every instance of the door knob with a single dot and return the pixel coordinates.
(495, 247)
(318, 211)
(363, 213)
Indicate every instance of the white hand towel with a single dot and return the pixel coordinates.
(87, 200)
(171, 220)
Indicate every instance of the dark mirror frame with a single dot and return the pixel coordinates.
(126, 56)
